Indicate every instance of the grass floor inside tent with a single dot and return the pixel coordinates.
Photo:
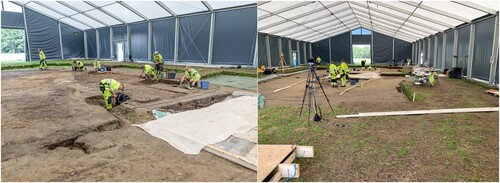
(206, 72)
(441, 147)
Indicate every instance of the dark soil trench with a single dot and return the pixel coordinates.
(130, 118)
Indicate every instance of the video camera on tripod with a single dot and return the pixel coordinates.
(312, 77)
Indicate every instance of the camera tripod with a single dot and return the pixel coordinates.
(312, 77)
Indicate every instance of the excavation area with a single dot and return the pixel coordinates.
(55, 128)
(431, 147)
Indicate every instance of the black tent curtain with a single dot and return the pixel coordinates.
(382, 49)
(139, 41)
(164, 38)
(43, 32)
(104, 41)
(321, 48)
(72, 41)
(274, 48)
(463, 48)
(449, 49)
(286, 51)
(483, 42)
(262, 50)
(341, 48)
(402, 50)
(91, 43)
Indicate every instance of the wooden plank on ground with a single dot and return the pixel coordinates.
(492, 91)
(289, 86)
(230, 156)
(276, 177)
(418, 112)
(270, 156)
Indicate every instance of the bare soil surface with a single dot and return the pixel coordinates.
(442, 147)
(55, 128)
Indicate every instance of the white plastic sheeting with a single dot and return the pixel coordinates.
(96, 14)
(191, 131)
(410, 21)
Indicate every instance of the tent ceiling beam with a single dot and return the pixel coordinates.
(133, 10)
(105, 12)
(288, 8)
(83, 13)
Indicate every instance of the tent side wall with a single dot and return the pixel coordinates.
(91, 43)
(262, 50)
(43, 32)
(322, 49)
(194, 35)
(382, 55)
(234, 36)
(341, 48)
(72, 41)
(139, 41)
(163, 38)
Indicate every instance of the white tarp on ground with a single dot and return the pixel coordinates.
(191, 131)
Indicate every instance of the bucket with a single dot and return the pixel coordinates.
(353, 81)
(171, 75)
(108, 68)
(204, 85)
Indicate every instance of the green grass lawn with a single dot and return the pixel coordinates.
(442, 147)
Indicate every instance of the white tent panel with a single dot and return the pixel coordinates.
(97, 14)
(378, 16)
(185, 7)
(8, 6)
(272, 29)
(337, 7)
(313, 16)
(59, 7)
(493, 4)
(388, 10)
(278, 5)
(439, 17)
(80, 5)
(75, 24)
(320, 37)
(312, 8)
(343, 13)
(430, 24)
(403, 6)
(228, 4)
(455, 9)
(23, 2)
(309, 35)
(44, 10)
(326, 23)
(103, 3)
(305, 32)
(122, 12)
(87, 20)
(270, 20)
(149, 9)
(293, 30)
(262, 13)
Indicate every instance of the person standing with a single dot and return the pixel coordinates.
(344, 72)
(43, 62)
(158, 63)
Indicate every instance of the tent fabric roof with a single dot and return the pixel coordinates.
(96, 14)
(411, 20)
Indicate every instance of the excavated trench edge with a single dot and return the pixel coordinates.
(118, 123)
